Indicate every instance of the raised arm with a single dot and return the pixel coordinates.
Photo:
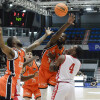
(30, 60)
(56, 36)
(5, 49)
(39, 41)
(54, 66)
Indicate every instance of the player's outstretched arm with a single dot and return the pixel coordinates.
(30, 60)
(39, 41)
(56, 36)
(25, 78)
(5, 49)
(54, 66)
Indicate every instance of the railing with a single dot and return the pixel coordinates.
(80, 42)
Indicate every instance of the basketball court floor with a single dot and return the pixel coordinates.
(81, 93)
(87, 93)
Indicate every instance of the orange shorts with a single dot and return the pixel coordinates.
(7, 87)
(46, 77)
(28, 93)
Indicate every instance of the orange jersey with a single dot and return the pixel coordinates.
(9, 80)
(29, 71)
(15, 65)
(45, 62)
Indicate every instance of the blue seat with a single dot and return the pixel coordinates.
(66, 32)
(43, 29)
(67, 29)
(95, 40)
(68, 36)
(81, 36)
(75, 29)
(82, 32)
(77, 32)
(74, 32)
(78, 29)
(73, 36)
(95, 36)
(90, 39)
(71, 29)
(93, 32)
(70, 32)
(42, 33)
(91, 36)
(96, 32)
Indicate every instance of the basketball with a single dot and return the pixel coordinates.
(61, 9)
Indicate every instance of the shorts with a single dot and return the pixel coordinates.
(7, 87)
(63, 91)
(46, 77)
(28, 93)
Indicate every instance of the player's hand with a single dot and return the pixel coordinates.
(51, 56)
(36, 74)
(35, 57)
(0, 31)
(71, 19)
(48, 31)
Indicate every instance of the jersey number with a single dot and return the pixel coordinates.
(71, 68)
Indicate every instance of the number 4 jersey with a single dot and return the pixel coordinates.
(68, 69)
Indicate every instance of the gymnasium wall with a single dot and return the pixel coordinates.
(84, 20)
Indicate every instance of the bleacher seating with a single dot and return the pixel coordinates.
(74, 35)
(94, 35)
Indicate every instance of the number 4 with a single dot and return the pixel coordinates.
(71, 68)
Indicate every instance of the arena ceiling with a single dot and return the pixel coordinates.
(46, 7)
(75, 4)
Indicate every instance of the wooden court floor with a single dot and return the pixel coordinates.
(82, 93)
(87, 93)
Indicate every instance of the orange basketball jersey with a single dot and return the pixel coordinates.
(9, 80)
(14, 66)
(45, 62)
(29, 71)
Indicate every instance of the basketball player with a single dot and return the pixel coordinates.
(15, 58)
(24, 78)
(55, 46)
(31, 79)
(67, 66)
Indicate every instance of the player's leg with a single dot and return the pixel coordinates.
(7, 85)
(63, 91)
(3, 83)
(52, 83)
(17, 91)
(43, 83)
(43, 94)
(58, 93)
(38, 98)
(71, 93)
(37, 94)
(27, 94)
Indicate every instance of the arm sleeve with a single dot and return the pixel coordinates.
(16, 54)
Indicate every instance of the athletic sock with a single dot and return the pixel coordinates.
(43, 94)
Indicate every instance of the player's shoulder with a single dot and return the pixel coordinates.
(62, 57)
(68, 56)
(22, 49)
(50, 47)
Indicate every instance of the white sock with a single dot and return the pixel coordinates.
(50, 91)
(43, 94)
(52, 88)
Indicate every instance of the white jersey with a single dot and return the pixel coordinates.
(68, 69)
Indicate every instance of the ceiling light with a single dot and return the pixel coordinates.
(88, 9)
(24, 11)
